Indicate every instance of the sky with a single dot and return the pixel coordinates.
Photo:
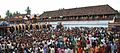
(39, 6)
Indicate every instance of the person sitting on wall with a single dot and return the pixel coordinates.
(59, 26)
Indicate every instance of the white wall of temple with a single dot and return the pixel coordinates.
(101, 23)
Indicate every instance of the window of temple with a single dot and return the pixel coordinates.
(53, 18)
(56, 18)
(85, 17)
(90, 17)
(74, 18)
(105, 17)
(96, 17)
(67, 18)
(64, 18)
(71, 18)
(82, 17)
(77, 18)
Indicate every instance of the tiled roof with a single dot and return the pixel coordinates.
(17, 17)
(2, 23)
(22, 15)
(90, 10)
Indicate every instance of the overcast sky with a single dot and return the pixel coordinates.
(39, 6)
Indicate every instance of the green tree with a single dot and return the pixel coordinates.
(7, 13)
(28, 10)
(17, 12)
(14, 14)
(10, 15)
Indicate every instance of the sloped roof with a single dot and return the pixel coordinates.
(23, 15)
(17, 17)
(4, 23)
(90, 10)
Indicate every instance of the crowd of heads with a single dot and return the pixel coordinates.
(62, 40)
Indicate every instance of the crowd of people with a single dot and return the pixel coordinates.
(62, 40)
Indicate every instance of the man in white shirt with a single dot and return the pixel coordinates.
(52, 50)
(67, 50)
(41, 50)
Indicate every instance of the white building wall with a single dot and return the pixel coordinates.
(82, 23)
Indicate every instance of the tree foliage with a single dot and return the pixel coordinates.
(8, 13)
(16, 13)
(28, 11)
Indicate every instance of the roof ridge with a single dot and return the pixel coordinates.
(88, 10)
(78, 8)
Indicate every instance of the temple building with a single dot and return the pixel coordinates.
(16, 19)
(91, 16)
